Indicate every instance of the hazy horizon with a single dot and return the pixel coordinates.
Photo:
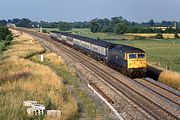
(80, 10)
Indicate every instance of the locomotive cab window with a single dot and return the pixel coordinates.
(131, 56)
(141, 55)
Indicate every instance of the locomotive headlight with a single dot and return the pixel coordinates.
(130, 63)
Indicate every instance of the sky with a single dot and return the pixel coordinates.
(85, 10)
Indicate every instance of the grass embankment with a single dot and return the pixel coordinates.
(21, 79)
(86, 107)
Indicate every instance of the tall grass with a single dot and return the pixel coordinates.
(86, 107)
(24, 46)
(170, 78)
(21, 79)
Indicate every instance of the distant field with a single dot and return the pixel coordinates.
(166, 36)
(163, 53)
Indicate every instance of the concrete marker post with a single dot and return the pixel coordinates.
(42, 58)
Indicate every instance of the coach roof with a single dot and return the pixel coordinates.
(86, 39)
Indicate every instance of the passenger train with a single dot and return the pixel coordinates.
(128, 60)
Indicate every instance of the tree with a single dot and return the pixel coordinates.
(95, 27)
(100, 22)
(116, 20)
(151, 23)
(3, 22)
(169, 30)
(134, 29)
(157, 31)
(106, 22)
(24, 23)
(167, 23)
(9, 21)
(64, 26)
(79, 24)
(4, 32)
(15, 20)
(120, 28)
(107, 29)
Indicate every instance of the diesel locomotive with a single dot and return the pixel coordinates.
(128, 60)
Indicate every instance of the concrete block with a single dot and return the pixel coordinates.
(35, 111)
(53, 113)
(38, 106)
(29, 103)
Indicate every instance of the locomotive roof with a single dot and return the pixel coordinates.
(128, 49)
(86, 39)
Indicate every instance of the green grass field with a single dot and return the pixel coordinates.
(163, 53)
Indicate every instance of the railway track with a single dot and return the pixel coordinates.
(160, 90)
(153, 105)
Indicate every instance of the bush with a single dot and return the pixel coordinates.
(158, 36)
(139, 38)
(5, 32)
(98, 38)
(9, 37)
(120, 28)
(2, 47)
(107, 29)
(44, 31)
(176, 35)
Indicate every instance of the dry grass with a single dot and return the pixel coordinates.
(23, 46)
(141, 35)
(166, 36)
(22, 79)
(170, 78)
(50, 58)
